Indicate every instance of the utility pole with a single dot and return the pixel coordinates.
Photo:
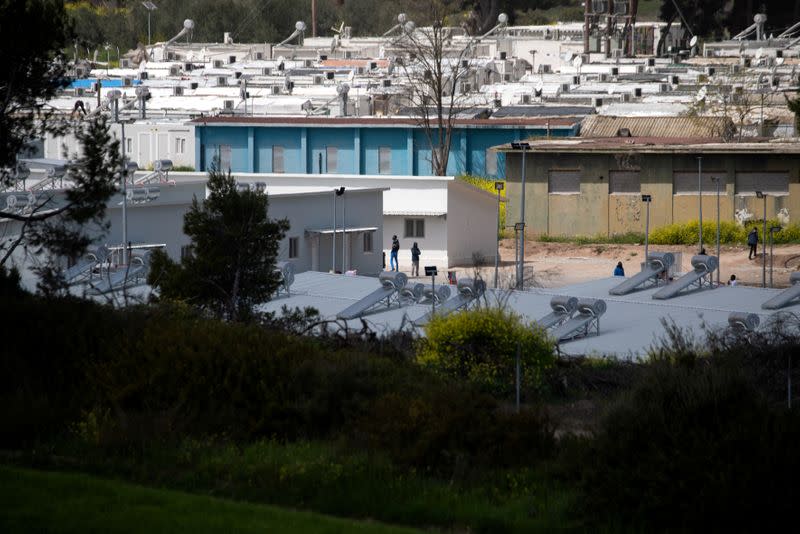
(313, 18)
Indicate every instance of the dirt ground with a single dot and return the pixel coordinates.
(560, 264)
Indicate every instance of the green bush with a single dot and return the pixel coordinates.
(692, 447)
(730, 233)
(480, 345)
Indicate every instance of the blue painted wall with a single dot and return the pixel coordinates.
(357, 148)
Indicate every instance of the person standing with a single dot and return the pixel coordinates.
(752, 240)
(415, 252)
(619, 270)
(393, 263)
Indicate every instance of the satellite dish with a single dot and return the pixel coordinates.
(568, 56)
(779, 61)
(577, 62)
(760, 18)
(759, 53)
(402, 18)
(693, 41)
(188, 24)
(300, 26)
(410, 26)
(502, 18)
(702, 93)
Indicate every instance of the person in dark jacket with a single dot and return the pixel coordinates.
(619, 270)
(415, 252)
(393, 256)
(752, 240)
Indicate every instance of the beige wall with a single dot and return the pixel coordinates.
(594, 211)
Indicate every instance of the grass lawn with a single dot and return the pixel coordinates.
(36, 501)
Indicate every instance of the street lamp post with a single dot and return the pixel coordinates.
(336, 193)
(499, 186)
(521, 268)
(647, 199)
(718, 183)
(762, 195)
(115, 95)
(150, 7)
(772, 231)
(700, 196)
(344, 233)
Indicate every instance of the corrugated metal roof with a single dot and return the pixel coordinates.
(542, 111)
(682, 127)
(237, 120)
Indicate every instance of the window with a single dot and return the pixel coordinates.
(128, 145)
(180, 145)
(385, 160)
(186, 252)
(685, 182)
(415, 228)
(564, 182)
(277, 159)
(331, 156)
(491, 162)
(773, 183)
(368, 242)
(624, 182)
(224, 157)
(294, 247)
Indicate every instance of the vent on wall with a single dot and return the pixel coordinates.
(218, 63)
(259, 55)
(174, 70)
(228, 105)
(127, 81)
(276, 89)
(266, 71)
(222, 80)
(177, 91)
(125, 63)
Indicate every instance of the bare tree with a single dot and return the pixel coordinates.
(434, 69)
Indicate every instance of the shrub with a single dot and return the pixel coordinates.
(481, 345)
(692, 447)
(729, 233)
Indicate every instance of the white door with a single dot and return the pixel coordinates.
(163, 147)
(143, 152)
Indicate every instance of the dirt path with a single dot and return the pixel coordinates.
(560, 264)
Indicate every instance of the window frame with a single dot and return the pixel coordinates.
(294, 248)
(384, 160)
(278, 154)
(368, 243)
(417, 224)
(331, 151)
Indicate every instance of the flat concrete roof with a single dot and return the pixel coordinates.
(223, 120)
(657, 145)
(632, 324)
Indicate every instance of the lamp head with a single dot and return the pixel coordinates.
(760, 194)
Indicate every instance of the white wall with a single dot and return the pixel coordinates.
(471, 224)
(433, 245)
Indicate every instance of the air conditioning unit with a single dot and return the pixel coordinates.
(177, 91)
(127, 81)
(626, 97)
(616, 53)
(259, 56)
(193, 85)
(308, 63)
(710, 71)
(597, 102)
(615, 71)
(228, 105)
(330, 75)
(218, 63)
(317, 80)
(464, 63)
(506, 77)
(266, 71)
(79, 91)
(664, 88)
(276, 90)
(360, 70)
(170, 56)
(674, 80)
(603, 77)
(125, 63)
(565, 87)
(174, 70)
(222, 80)
(466, 87)
(651, 62)
(348, 54)
(637, 92)
(323, 57)
(545, 69)
(231, 59)
(80, 72)
(526, 99)
(387, 83)
(744, 62)
(143, 75)
(576, 80)
(237, 74)
(735, 69)
(639, 69)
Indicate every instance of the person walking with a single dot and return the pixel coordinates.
(393, 263)
(415, 252)
(752, 240)
(619, 270)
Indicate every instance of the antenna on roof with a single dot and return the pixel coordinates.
(299, 32)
